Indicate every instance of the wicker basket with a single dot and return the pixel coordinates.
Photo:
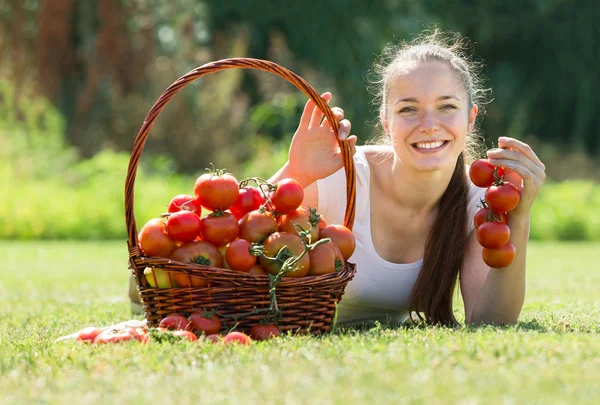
(307, 304)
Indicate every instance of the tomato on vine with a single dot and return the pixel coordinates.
(307, 218)
(206, 323)
(487, 215)
(257, 225)
(493, 235)
(279, 247)
(482, 173)
(503, 197)
(238, 256)
(249, 199)
(501, 257)
(184, 202)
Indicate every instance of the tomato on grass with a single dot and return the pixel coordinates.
(264, 331)
(204, 323)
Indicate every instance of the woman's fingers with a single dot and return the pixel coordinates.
(530, 179)
(317, 114)
(507, 154)
(338, 113)
(306, 114)
(345, 127)
(506, 142)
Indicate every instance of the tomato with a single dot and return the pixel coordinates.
(499, 258)
(154, 239)
(342, 237)
(325, 259)
(485, 215)
(216, 191)
(199, 252)
(257, 270)
(249, 199)
(237, 337)
(174, 321)
(200, 322)
(215, 338)
(503, 198)
(307, 218)
(287, 196)
(116, 336)
(238, 256)
(257, 225)
(184, 202)
(185, 334)
(88, 334)
(293, 246)
(493, 235)
(183, 226)
(264, 331)
(220, 228)
(481, 173)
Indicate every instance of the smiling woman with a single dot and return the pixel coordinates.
(414, 201)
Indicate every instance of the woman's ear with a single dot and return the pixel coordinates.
(472, 117)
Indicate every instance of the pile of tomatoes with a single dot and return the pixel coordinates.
(230, 224)
(501, 197)
(177, 327)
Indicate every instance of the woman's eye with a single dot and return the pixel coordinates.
(448, 107)
(407, 109)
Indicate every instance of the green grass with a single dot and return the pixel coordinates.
(50, 289)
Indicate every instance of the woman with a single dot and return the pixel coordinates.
(415, 203)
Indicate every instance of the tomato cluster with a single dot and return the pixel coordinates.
(177, 327)
(490, 221)
(256, 230)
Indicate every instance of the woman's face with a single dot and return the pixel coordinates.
(427, 116)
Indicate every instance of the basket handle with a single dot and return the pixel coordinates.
(245, 63)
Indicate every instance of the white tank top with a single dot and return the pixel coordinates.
(380, 289)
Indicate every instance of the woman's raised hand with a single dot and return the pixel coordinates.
(315, 153)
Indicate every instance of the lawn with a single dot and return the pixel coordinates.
(51, 289)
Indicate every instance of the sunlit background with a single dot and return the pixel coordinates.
(78, 77)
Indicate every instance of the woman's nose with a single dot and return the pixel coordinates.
(429, 123)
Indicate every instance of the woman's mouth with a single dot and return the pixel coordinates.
(429, 146)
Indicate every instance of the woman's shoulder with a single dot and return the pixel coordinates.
(375, 155)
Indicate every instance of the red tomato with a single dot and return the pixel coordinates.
(199, 252)
(293, 246)
(215, 338)
(198, 322)
(88, 334)
(264, 331)
(154, 239)
(174, 321)
(481, 173)
(186, 334)
(115, 336)
(249, 199)
(493, 235)
(499, 258)
(342, 237)
(325, 259)
(485, 215)
(237, 337)
(216, 191)
(256, 226)
(238, 256)
(503, 198)
(184, 202)
(257, 270)
(220, 228)
(287, 197)
(184, 226)
(307, 218)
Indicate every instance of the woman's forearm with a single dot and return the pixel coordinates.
(503, 292)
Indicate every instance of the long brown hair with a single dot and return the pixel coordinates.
(432, 295)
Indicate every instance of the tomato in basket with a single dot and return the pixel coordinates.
(257, 225)
(342, 237)
(216, 190)
(184, 202)
(249, 199)
(238, 256)
(199, 252)
(154, 239)
(325, 259)
(220, 228)
(287, 196)
(184, 226)
(292, 246)
(308, 218)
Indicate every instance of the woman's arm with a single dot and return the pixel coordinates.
(496, 295)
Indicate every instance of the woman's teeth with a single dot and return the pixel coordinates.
(429, 145)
